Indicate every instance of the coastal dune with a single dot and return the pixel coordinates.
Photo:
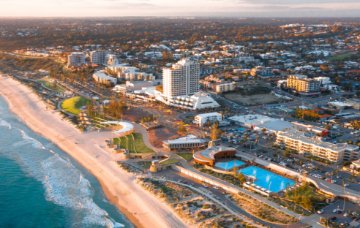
(89, 149)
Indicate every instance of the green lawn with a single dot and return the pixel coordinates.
(51, 85)
(133, 143)
(186, 156)
(74, 104)
(343, 56)
(169, 161)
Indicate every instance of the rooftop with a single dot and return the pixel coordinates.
(262, 121)
(186, 139)
(205, 115)
(209, 154)
(298, 135)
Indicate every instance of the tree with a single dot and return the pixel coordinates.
(167, 56)
(355, 124)
(159, 88)
(115, 109)
(310, 115)
(241, 178)
(90, 110)
(215, 132)
(181, 128)
(307, 203)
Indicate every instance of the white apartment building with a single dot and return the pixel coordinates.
(212, 117)
(225, 87)
(102, 78)
(98, 57)
(298, 141)
(130, 73)
(76, 59)
(182, 79)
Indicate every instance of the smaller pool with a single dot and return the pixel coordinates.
(229, 165)
(266, 179)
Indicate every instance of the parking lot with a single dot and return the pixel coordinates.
(342, 213)
(260, 144)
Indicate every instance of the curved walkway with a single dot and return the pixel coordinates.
(141, 130)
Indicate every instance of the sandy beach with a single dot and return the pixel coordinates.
(89, 149)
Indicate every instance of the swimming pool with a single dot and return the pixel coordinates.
(266, 179)
(229, 165)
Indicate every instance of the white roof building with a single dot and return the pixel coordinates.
(204, 118)
(197, 101)
(303, 143)
(102, 77)
(187, 142)
(260, 121)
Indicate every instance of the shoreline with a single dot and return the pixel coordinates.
(89, 149)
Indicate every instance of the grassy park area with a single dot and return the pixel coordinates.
(186, 156)
(169, 161)
(73, 105)
(133, 143)
(344, 56)
(52, 85)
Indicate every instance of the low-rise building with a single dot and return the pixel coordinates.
(259, 122)
(355, 165)
(212, 154)
(102, 78)
(207, 118)
(261, 71)
(225, 87)
(188, 143)
(198, 101)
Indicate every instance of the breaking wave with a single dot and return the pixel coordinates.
(27, 139)
(4, 123)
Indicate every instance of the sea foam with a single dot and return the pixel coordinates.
(66, 186)
(27, 139)
(4, 123)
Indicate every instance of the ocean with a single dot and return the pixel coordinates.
(41, 186)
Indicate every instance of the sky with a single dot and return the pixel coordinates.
(216, 8)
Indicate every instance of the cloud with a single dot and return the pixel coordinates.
(237, 8)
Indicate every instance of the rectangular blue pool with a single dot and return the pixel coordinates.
(229, 165)
(267, 179)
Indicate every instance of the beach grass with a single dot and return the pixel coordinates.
(74, 104)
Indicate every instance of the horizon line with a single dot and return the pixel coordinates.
(219, 17)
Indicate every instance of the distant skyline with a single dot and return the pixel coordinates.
(227, 8)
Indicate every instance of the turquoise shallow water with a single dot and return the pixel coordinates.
(229, 165)
(41, 186)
